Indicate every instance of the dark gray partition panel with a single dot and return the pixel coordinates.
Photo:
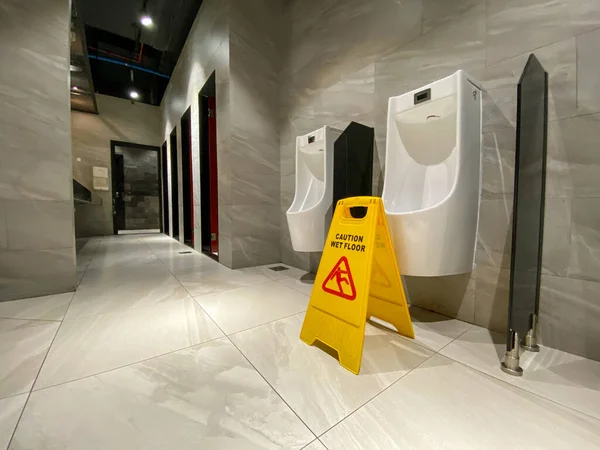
(353, 162)
(529, 200)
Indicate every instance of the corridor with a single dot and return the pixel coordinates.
(161, 347)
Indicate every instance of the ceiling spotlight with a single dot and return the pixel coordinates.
(134, 95)
(74, 68)
(75, 88)
(146, 20)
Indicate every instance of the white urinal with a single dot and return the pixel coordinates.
(432, 176)
(310, 214)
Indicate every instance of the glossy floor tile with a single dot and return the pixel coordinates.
(121, 297)
(23, 347)
(239, 309)
(312, 382)
(49, 307)
(10, 411)
(444, 404)
(90, 345)
(136, 359)
(567, 379)
(205, 397)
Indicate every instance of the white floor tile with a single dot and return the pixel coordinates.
(315, 445)
(301, 284)
(205, 397)
(445, 405)
(49, 307)
(10, 411)
(23, 346)
(202, 281)
(567, 379)
(290, 272)
(312, 382)
(435, 331)
(115, 298)
(239, 309)
(90, 345)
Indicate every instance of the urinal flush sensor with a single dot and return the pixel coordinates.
(432, 179)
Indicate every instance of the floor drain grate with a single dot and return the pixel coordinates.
(278, 268)
(184, 253)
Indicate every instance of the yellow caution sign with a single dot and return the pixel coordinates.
(357, 278)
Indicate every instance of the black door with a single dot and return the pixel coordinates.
(165, 189)
(118, 192)
(174, 185)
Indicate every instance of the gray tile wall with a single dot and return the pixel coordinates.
(206, 51)
(344, 58)
(37, 245)
(118, 120)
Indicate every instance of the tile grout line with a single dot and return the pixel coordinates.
(127, 365)
(246, 358)
(391, 384)
(47, 353)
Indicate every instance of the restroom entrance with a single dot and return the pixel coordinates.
(209, 196)
(165, 188)
(174, 183)
(186, 178)
(136, 188)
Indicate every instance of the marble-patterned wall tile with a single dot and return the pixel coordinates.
(588, 67)
(39, 225)
(255, 235)
(569, 315)
(288, 190)
(584, 255)
(573, 160)
(500, 82)
(335, 43)
(36, 163)
(3, 234)
(438, 12)
(515, 27)
(494, 234)
(452, 296)
(255, 189)
(32, 273)
(458, 44)
(557, 236)
(491, 297)
(351, 99)
(498, 164)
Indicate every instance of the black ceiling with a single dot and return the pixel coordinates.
(125, 55)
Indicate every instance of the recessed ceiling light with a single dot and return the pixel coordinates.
(75, 68)
(146, 20)
(134, 94)
(75, 88)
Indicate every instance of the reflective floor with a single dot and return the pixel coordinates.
(163, 350)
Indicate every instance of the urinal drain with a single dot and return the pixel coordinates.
(278, 268)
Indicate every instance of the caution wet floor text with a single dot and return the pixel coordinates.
(357, 278)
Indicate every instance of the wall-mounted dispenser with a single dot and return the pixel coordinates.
(309, 215)
(432, 176)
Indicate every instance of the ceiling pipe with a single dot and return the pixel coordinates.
(126, 64)
(137, 61)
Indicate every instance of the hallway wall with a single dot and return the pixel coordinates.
(37, 245)
(239, 41)
(345, 58)
(118, 120)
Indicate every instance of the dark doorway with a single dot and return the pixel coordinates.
(136, 189)
(209, 195)
(164, 169)
(118, 173)
(174, 183)
(186, 178)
